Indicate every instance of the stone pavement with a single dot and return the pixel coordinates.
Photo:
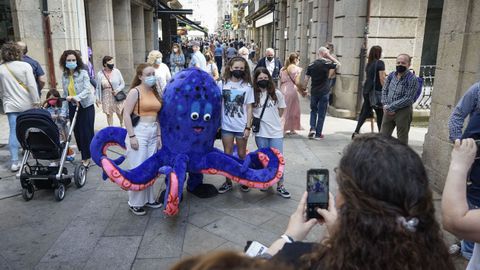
(92, 227)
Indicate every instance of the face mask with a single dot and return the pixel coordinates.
(71, 65)
(269, 58)
(175, 50)
(207, 58)
(238, 73)
(262, 83)
(110, 66)
(150, 81)
(401, 69)
(52, 102)
(158, 61)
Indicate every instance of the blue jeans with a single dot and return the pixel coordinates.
(277, 143)
(318, 111)
(13, 143)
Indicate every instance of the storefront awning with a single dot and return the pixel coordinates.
(192, 24)
(180, 15)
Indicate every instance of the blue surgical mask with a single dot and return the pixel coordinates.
(150, 80)
(71, 65)
(158, 61)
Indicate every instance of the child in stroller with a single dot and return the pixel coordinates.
(39, 136)
(59, 112)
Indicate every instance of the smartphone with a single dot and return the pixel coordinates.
(477, 142)
(317, 188)
(255, 249)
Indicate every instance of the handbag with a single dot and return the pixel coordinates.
(256, 120)
(135, 117)
(374, 96)
(120, 96)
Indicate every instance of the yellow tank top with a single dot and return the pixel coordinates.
(149, 104)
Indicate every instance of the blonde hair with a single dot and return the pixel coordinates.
(152, 56)
(243, 50)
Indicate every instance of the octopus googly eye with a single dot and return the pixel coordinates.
(194, 116)
(207, 117)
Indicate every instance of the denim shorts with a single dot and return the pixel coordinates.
(232, 134)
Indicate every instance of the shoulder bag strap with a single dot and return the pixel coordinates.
(113, 90)
(293, 81)
(138, 101)
(15, 77)
(375, 76)
(264, 106)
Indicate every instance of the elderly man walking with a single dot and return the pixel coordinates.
(398, 95)
(272, 64)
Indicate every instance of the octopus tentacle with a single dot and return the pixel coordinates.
(105, 138)
(265, 167)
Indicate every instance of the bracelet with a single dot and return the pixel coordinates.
(247, 128)
(287, 238)
(132, 136)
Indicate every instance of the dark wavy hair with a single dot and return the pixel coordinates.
(374, 54)
(63, 60)
(228, 74)
(380, 180)
(270, 87)
(11, 52)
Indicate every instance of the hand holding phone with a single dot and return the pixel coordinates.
(318, 192)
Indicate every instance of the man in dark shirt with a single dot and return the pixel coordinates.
(38, 72)
(319, 71)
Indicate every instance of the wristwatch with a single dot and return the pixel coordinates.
(287, 238)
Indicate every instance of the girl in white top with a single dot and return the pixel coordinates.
(212, 68)
(270, 133)
(237, 95)
(162, 72)
(18, 92)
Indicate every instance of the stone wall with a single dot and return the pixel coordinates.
(110, 31)
(458, 67)
(397, 26)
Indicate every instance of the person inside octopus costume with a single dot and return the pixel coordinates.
(189, 120)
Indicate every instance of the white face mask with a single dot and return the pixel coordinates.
(175, 50)
(158, 61)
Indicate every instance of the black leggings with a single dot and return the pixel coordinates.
(366, 112)
(83, 129)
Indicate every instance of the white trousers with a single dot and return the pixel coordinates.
(146, 134)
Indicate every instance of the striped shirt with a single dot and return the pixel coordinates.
(467, 105)
(399, 93)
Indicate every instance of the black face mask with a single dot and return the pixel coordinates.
(238, 73)
(270, 58)
(110, 66)
(207, 58)
(263, 83)
(401, 69)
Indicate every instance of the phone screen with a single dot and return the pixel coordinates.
(317, 188)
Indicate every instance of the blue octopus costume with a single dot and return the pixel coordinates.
(189, 120)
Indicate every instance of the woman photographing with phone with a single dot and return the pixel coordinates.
(382, 217)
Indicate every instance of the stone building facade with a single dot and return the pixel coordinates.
(458, 67)
(124, 29)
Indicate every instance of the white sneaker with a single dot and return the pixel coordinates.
(15, 167)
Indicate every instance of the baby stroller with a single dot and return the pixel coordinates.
(38, 135)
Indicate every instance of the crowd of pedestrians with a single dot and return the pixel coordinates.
(374, 200)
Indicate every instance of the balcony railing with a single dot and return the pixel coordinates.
(428, 74)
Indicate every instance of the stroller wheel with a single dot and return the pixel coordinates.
(80, 175)
(27, 193)
(60, 192)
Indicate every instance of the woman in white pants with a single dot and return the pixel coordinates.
(143, 138)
